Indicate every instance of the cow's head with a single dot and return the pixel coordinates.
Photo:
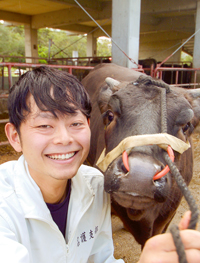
(130, 109)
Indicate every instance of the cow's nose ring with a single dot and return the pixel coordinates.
(125, 160)
(166, 169)
(158, 175)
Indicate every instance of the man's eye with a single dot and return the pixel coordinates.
(44, 126)
(76, 124)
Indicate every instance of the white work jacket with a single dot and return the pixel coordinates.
(28, 233)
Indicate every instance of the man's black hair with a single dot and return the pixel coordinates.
(53, 90)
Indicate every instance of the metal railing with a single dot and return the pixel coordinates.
(29, 66)
(20, 65)
(175, 74)
(158, 72)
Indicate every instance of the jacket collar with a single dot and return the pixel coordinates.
(29, 193)
(31, 198)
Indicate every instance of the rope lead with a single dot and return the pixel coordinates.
(174, 171)
(178, 243)
(193, 207)
(185, 191)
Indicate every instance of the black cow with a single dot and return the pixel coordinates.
(123, 108)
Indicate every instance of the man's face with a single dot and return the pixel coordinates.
(54, 148)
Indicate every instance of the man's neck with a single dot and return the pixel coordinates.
(54, 197)
(53, 190)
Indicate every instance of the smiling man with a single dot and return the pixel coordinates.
(53, 209)
(54, 147)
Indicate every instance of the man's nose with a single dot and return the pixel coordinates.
(63, 136)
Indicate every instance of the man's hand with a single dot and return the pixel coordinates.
(184, 223)
(161, 248)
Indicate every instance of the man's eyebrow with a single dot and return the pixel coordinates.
(45, 115)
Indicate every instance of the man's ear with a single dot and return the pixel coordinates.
(13, 136)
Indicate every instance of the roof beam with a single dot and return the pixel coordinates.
(67, 17)
(180, 23)
(80, 29)
(163, 36)
(99, 33)
(15, 17)
(155, 6)
(87, 4)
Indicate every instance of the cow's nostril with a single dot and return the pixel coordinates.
(160, 182)
(123, 168)
(161, 191)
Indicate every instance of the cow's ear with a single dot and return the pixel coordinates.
(193, 96)
(110, 87)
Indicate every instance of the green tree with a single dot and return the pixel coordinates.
(12, 41)
(104, 47)
(186, 57)
(62, 43)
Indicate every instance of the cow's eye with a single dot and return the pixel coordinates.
(110, 116)
(187, 127)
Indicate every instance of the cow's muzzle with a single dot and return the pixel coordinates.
(158, 175)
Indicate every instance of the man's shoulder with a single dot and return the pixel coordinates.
(7, 165)
(8, 171)
(91, 176)
(91, 171)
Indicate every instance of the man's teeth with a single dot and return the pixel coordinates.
(61, 156)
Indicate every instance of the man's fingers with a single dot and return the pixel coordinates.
(165, 242)
(161, 248)
(184, 223)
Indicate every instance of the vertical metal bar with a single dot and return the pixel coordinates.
(2, 80)
(176, 81)
(9, 76)
(161, 73)
(195, 78)
(151, 70)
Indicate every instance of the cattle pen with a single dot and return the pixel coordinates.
(80, 67)
(124, 243)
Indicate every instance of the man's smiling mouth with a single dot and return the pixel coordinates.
(61, 156)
